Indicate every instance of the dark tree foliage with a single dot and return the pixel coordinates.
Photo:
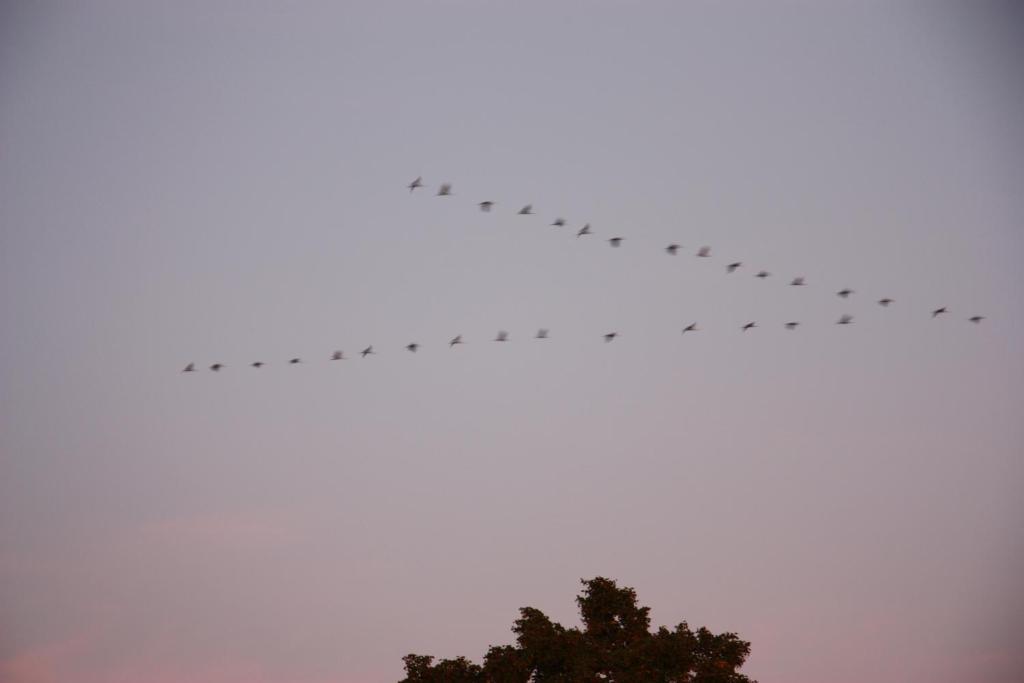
(615, 645)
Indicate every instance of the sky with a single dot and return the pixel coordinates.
(226, 182)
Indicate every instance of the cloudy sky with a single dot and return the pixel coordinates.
(225, 182)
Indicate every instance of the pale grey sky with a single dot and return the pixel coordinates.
(213, 181)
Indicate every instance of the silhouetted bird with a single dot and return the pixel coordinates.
(672, 249)
(412, 347)
(845, 320)
(884, 302)
(486, 206)
(216, 367)
(337, 355)
(542, 334)
(704, 252)
(191, 367)
(938, 311)
(294, 361)
(797, 282)
(844, 293)
(445, 190)
(791, 325)
(692, 327)
(976, 319)
(501, 336)
(762, 274)
(585, 230)
(610, 336)
(615, 241)
(258, 364)
(559, 222)
(731, 268)
(749, 326)
(526, 210)
(368, 351)
(455, 340)
(416, 183)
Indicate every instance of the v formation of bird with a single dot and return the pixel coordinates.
(486, 206)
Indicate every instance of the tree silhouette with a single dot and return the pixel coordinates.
(615, 645)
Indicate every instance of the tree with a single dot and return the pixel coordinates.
(615, 645)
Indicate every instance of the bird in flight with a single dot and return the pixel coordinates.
(559, 222)
(486, 206)
(610, 336)
(615, 241)
(337, 355)
(762, 274)
(976, 319)
(542, 334)
(791, 325)
(445, 190)
(844, 293)
(455, 340)
(672, 249)
(258, 364)
(845, 320)
(368, 351)
(526, 210)
(884, 302)
(191, 367)
(731, 268)
(585, 230)
(294, 361)
(704, 252)
(416, 183)
(412, 347)
(216, 367)
(501, 336)
(749, 326)
(797, 282)
(938, 311)
(692, 327)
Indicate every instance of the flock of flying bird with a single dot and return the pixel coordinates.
(445, 190)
